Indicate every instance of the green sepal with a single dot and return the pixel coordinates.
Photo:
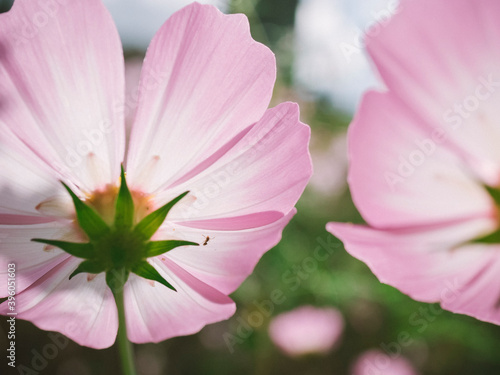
(79, 250)
(124, 214)
(494, 193)
(155, 248)
(146, 270)
(88, 266)
(88, 219)
(492, 238)
(150, 224)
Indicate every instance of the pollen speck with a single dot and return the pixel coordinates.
(91, 276)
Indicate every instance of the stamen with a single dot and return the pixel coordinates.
(57, 206)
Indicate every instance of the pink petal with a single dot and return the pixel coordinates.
(376, 362)
(230, 254)
(25, 180)
(31, 260)
(451, 75)
(80, 309)
(133, 69)
(307, 330)
(266, 169)
(431, 264)
(156, 313)
(204, 81)
(401, 174)
(61, 72)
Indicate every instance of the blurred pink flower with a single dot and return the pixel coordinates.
(375, 362)
(424, 157)
(307, 330)
(201, 125)
(330, 165)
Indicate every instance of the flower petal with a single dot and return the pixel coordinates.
(32, 260)
(400, 174)
(230, 254)
(204, 80)
(451, 75)
(266, 169)
(82, 309)
(156, 313)
(430, 265)
(61, 74)
(25, 181)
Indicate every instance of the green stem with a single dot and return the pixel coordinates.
(124, 345)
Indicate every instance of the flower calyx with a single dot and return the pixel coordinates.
(121, 247)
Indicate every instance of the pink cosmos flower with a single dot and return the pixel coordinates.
(201, 126)
(375, 362)
(307, 330)
(424, 157)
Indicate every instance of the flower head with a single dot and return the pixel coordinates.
(307, 330)
(210, 175)
(424, 157)
(375, 362)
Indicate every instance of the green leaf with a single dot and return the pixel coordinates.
(146, 270)
(155, 248)
(88, 218)
(79, 250)
(150, 224)
(87, 266)
(124, 215)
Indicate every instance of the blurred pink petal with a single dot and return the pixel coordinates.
(201, 112)
(307, 330)
(330, 164)
(375, 362)
(422, 153)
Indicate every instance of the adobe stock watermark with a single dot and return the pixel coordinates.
(11, 315)
(93, 138)
(455, 118)
(40, 357)
(46, 11)
(255, 141)
(246, 322)
(380, 19)
(57, 342)
(421, 320)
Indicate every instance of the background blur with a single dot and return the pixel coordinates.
(322, 66)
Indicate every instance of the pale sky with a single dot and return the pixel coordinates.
(329, 55)
(138, 21)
